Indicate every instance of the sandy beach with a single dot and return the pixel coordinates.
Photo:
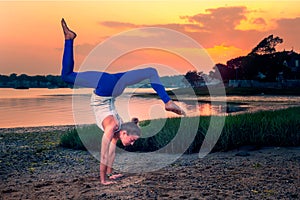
(34, 166)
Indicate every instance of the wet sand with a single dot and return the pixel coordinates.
(33, 166)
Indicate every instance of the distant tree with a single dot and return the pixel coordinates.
(266, 46)
(39, 78)
(236, 63)
(194, 78)
(23, 77)
(13, 76)
(38, 81)
(262, 63)
(261, 60)
(4, 78)
(225, 72)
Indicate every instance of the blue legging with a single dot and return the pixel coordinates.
(106, 84)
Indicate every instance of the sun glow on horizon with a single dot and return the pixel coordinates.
(32, 40)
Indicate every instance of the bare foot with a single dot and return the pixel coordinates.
(69, 35)
(171, 106)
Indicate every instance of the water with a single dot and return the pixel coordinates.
(51, 107)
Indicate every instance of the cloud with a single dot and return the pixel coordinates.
(288, 30)
(223, 18)
(258, 21)
(114, 24)
(220, 27)
(289, 24)
(216, 26)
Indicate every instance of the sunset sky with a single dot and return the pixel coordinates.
(32, 40)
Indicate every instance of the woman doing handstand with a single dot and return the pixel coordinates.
(107, 88)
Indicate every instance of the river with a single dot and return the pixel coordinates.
(52, 107)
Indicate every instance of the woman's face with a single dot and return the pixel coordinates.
(127, 139)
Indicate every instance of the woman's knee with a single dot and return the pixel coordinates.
(110, 123)
(68, 77)
(65, 77)
(152, 71)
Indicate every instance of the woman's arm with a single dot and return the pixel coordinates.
(111, 155)
(105, 146)
(111, 159)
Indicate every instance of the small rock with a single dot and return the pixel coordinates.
(103, 195)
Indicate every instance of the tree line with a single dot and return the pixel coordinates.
(263, 63)
(24, 81)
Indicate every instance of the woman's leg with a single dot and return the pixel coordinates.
(136, 76)
(67, 73)
(83, 79)
(87, 79)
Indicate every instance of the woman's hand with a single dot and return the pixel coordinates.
(108, 182)
(116, 176)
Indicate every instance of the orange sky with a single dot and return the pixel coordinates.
(31, 38)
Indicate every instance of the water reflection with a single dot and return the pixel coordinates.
(43, 107)
(208, 109)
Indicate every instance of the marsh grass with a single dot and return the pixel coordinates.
(71, 140)
(81, 138)
(264, 128)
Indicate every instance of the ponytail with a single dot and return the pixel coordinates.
(132, 127)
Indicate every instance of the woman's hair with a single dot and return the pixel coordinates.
(132, 127)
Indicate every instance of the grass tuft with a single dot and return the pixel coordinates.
(265, 128)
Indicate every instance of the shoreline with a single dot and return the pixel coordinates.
(44, 128)
(34, 166)
(33, 129)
